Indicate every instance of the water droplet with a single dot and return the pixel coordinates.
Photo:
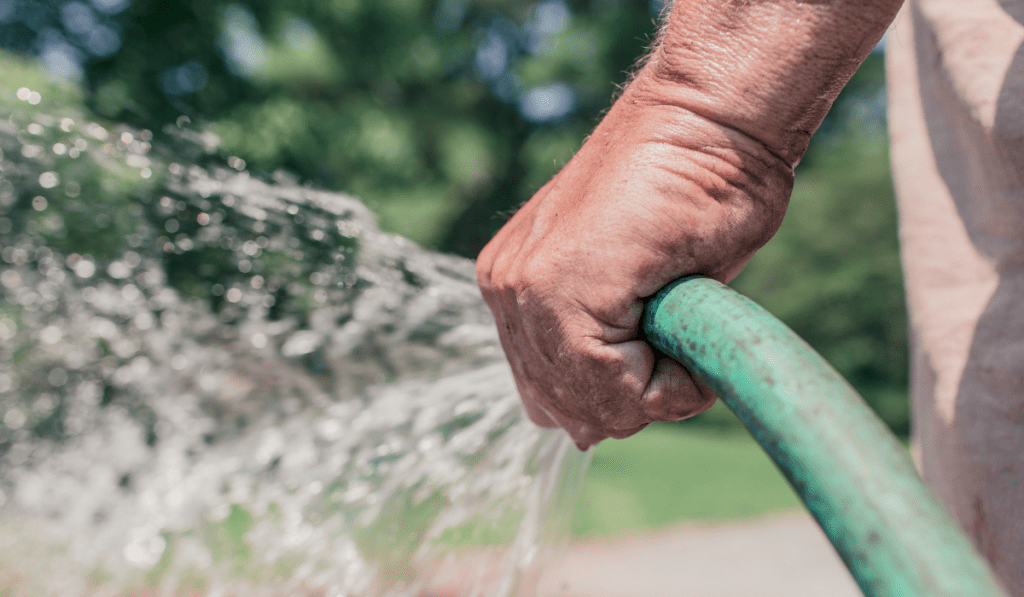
(10, 279)
(96, 132)
(233, 295)
(31, 151)
(330, 429)
(141, 366)
(48, 180)
(34, 98)
(119, 270)
(302, 342)
(14, 418)
(174, 498)
(23, 93)
(171, 226)
(60, 148)
(143, 321)
(51, 334)
(130, 292)
(132, 259)
(17, 256)
(35, 129)
(137, 161)
(85, 268)
(57, 377)
(220, 511)
(144, 552)
(39, 203)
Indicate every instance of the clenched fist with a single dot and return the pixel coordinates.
(655, 193)
(689, 172)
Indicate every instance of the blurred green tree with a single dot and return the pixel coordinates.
(439, 113)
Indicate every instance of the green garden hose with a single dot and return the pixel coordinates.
(849, 469)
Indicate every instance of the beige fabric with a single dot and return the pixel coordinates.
(956, 111)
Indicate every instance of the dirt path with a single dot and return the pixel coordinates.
(784, 556)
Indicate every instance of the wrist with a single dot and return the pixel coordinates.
(727, 191)
(768, 69)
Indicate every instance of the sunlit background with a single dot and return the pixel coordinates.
(442, 116)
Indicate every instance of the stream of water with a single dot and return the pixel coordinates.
(213, 383)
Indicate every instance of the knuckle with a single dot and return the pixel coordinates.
(528, 279)
(484, 267)
(610, 418)
(618, 410)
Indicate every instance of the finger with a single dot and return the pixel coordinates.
(534, 409)
(621, 374)
(505, 247)
(582, 434)
(585, 437)
(529, 397)
(674, 393)
(624, 433)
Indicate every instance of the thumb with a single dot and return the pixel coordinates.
(674, 393)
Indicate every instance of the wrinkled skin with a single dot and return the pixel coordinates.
(655, 193)
(689, 173)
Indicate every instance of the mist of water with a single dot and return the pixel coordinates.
(217, 384)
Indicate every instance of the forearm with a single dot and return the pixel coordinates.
(767, 68)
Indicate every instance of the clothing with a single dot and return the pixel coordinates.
(956, 117)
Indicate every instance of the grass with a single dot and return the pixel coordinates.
(675, 472)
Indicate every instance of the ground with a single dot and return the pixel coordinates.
(783, 555)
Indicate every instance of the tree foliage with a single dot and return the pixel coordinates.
(438, 113)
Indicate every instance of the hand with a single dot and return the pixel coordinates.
(689, 173)
(656, 193)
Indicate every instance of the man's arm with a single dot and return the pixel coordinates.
(689, 172)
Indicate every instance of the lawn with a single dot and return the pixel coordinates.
(675, 472)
